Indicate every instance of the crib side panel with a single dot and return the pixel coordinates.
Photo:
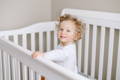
(98, 53)
(34, 38)
(14, 58)
(103, 60)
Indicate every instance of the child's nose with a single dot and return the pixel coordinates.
(63, 32)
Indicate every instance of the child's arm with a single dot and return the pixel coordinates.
(57, 55)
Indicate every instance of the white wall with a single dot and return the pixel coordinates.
(99, 5)
(21, 13)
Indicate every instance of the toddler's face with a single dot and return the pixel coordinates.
(67, 32)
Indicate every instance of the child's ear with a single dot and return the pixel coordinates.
(75, 38)
(78, 36)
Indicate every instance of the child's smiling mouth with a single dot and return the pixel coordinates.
(62, 36)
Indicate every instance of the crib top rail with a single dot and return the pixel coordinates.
(107, 19)
(38, 27)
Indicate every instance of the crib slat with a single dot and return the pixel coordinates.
(1, 65)
(41, 41)
(93, 51)
(86, 49)
(24, 41)
(16, 62)
(13, 65)
(48, 40)
(15, 39)
(9, 63)
(9, 67)
(40, 49)
(6, 58)
(118, 61)
(24, 67)
(31, 72)
(55, 39)
(110, 54)
(80, 55)
(25, 72)
(5, 65)
(33, 41)
(101, 56)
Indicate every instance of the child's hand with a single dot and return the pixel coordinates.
(36, 54)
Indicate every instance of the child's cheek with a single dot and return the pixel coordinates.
(58, 35)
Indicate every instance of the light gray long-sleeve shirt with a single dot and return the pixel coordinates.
(64, 56)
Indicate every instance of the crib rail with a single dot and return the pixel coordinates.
(106, 19)
(33, 38)
(41, 66)
(39, 27)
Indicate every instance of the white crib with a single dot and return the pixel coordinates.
(98, 52)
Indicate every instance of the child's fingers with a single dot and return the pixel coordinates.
(34, 55)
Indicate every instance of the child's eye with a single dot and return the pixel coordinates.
(68, 30)
(60, 29)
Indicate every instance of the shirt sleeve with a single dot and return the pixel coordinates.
(57, 55)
